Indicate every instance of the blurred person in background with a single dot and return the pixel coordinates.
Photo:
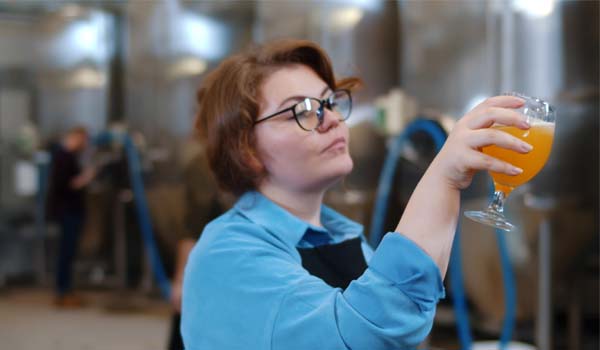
(282, 271)
(202, 204)
(66, 206)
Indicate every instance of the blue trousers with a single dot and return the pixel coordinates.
(71, 225)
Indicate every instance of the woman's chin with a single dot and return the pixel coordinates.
(341, 169)
(346, 165)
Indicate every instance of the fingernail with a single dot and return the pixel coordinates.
(516, 171)
(526, 147)
(525, 124)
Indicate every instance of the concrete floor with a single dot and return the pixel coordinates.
(29, 321)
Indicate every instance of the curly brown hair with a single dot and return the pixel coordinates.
(229, 102)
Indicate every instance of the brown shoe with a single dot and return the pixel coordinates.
(68, 301)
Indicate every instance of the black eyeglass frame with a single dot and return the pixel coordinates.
(324, 103)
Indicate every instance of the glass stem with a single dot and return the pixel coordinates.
(497, 204)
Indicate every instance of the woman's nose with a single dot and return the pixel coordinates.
(331, 119)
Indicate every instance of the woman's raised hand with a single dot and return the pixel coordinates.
(461, 155)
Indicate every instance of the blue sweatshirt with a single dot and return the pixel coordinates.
(245, 287)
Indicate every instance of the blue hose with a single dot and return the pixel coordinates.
(459, 299)
(455, 266)
(389, 170)
(135, 173)
(143, 213)
(510, 290)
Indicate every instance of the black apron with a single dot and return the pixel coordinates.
(336, 264)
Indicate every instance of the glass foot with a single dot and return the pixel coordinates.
(490, 218)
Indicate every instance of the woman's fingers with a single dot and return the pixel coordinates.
(486, 117)
(497, 109)
(481, 161)
(487, 137)
(502, 101)
(474, 131)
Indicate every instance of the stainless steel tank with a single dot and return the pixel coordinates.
(455, 54)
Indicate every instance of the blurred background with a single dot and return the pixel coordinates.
(128, 72)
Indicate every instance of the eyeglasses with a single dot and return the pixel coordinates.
(309, 112)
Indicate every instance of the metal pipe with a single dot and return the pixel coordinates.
(544, 313)
(507, 49)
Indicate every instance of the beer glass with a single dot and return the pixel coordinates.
(541, 117)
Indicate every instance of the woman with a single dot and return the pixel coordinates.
(282, 271)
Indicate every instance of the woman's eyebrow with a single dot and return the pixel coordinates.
(300, 98)
(291, 98)
(325, 90)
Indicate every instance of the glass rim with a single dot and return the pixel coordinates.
(550, 110)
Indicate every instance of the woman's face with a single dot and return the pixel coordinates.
(296, 159)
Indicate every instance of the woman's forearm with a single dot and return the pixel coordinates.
(431, 216)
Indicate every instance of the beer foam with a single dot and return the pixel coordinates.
(533, 122)
(541, 124)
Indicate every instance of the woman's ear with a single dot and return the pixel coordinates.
(252, 158)
(253, 162)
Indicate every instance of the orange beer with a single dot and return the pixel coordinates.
(540, 136)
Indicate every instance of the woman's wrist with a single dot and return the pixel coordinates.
(439, 176)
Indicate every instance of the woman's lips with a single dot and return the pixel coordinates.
(338, 142)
